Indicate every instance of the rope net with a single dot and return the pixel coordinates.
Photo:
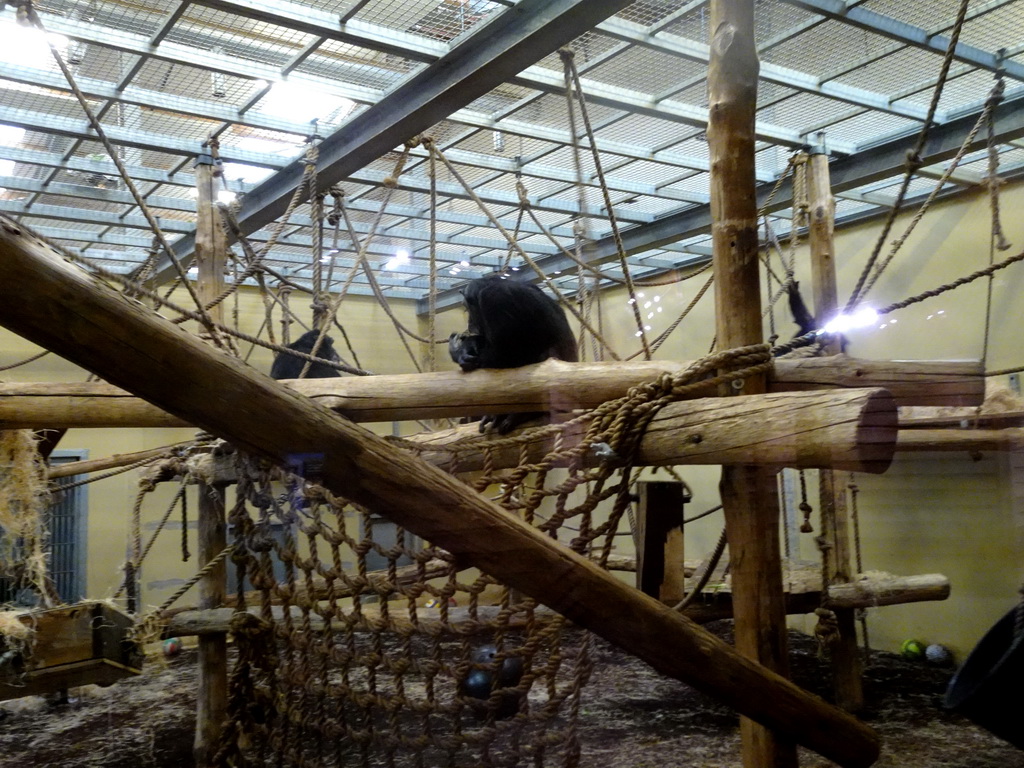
(358, 644)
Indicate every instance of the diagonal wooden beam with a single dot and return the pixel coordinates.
(64, 309)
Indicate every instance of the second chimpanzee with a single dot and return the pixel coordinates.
(510, 324)
(290, 367)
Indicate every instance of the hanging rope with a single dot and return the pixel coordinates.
(26, 361)
(523, 254)
(913, 158)
(862, 615)
(27, 16)
(572, 82)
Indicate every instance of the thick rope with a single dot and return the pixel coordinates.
(573, 80)
(913, 158)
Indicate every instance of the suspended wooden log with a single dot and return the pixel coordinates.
(61, 308)
(551, 385)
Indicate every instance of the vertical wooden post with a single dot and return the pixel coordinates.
(749, 494)
(212, 697)
(847, 665)
(659, 554)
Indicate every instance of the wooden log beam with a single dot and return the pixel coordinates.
(862, 592)
(749, 493)
(212, 693)
(86, 466)
(551, 385)
(845, 658)
(873, 590)
(851, 430)
(919, 440)
(64, 309)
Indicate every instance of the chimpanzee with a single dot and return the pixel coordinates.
(801, 315)
(510, 324)
(290, 367)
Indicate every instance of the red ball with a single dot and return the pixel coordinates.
(172, 646)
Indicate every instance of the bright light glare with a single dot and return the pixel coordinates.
(860, 319)
(250, 174)
(400, 259)
(226, 196)
(11, 136)
(291, 101)
(27, 45)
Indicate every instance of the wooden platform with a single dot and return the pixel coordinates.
(75, 645)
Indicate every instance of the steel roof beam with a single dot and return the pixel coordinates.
(418, 48)
(864, 18)
(493, 54)
(79, 128)
(247, 69)
(873, 164)
(691, 50)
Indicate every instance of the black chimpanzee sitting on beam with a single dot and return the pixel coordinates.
(290, 367)
(511, 324)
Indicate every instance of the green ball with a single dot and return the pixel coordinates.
(912, 649)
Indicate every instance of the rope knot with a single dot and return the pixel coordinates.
(995, 96)
(524, 200)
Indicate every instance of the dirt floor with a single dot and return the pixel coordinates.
(631, 718)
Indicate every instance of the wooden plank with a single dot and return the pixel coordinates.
(659, 553)
(553, 386)
(39, 682)
(863, 592)
(62, 308)
(972, 440)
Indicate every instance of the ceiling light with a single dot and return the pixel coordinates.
(300, 103)
(250, 174)
(11, 136)
(400, 259)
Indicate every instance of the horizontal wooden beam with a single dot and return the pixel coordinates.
(921, 440)
(549, 386)
(864, 592)
(62, 308)
(852, 430)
